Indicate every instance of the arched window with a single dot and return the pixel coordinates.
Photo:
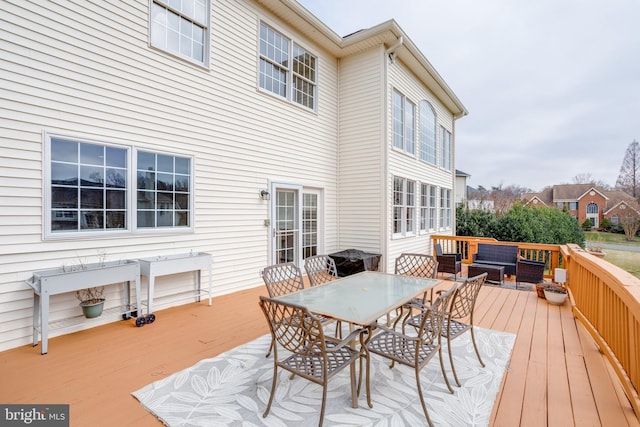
(592, 208)
(427, 133)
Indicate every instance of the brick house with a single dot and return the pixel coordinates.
(586, 201)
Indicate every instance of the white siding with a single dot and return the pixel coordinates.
(85, 70)
(407, 166)
(361, 163)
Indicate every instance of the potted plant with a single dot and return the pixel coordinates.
(555, 294)
(91, 301)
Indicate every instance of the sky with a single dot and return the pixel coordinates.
(552, 86)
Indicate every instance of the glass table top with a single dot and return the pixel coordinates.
(361, 298)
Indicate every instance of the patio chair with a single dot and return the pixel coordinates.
(416, 351)
(529, 271)
(448, 263)
(308, 352)
(320, 269)
(284, 278)
(416, 265)
(455, 322)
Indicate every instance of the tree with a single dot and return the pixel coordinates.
(629, 178)
(521, 223)
(587, 178)
(630, 224)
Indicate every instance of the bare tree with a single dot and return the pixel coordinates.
(504, 197)
(587, 178)
(629, 178)
(630, 224)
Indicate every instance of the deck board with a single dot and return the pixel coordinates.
(555, 369)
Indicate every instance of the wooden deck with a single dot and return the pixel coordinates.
(556, 376)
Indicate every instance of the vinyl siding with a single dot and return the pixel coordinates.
(361, 151)
(409, 166)
(85, 70)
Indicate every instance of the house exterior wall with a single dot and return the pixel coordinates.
(411, 167)
(112, 88)
(361, 151)
(85, 70)
(591, 197)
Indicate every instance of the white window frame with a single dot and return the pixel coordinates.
(403, 123)
(445, 149)
(427, 133)
(183, 19)
(404, 207)
(300, 86)
(175, 193)
(445, 209)
(130, 197)
(433, 207)
(428, 213)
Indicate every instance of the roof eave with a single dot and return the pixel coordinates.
(387, 32)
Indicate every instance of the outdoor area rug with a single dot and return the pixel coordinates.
(233, 389)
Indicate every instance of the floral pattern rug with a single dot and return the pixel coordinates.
(233, 389)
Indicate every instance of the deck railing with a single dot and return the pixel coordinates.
(604, 298)
(467, 246)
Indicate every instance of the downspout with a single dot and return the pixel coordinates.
(390, 55)
(454, 210)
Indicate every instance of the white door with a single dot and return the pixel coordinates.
(296, 223)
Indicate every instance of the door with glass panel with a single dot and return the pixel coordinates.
(295, 224)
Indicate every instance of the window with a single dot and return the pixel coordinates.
(573, 206)
(427, 208)
(89, 188)
(445, 208)
(445, 149)
(181, 28)
(560, 205)
(433, 217)
(404, 210)
(615, 220)
(309, 224)
(404, 123)
(163, 190)
(592, 208)
(427, 133)
(295, 79)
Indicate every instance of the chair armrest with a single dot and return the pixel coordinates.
(345, 341)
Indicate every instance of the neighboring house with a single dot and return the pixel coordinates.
(461, 188)
(246, 129)
(585, 201)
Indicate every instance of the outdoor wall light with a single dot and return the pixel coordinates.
(264, 195)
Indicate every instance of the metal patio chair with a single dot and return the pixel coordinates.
(416, 265)
(415, 351)
(455, 322)
(284, 278)
(320, 269)
(308, 352)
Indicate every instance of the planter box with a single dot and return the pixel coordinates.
(173, 264)
(72, 278)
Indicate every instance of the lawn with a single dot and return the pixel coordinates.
(627, 260)
(614, 238)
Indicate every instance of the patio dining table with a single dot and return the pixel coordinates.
(362, 298)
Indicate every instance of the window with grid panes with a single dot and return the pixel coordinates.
(181, 27)
(287, 69)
